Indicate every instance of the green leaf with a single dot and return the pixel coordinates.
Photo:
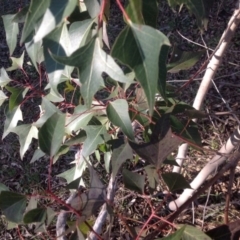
(54, 16)
(3, 97)
(35, 215)
(25, 132)
(17, 63)
(12, 118)
(35, 52)
(175, 181)
(20, 17)
(134, 11)
(163, 71)
(150, 12)
(133, 181)
(37, 154)
(200, 8)
(3, 187)
(79, 138)
(162, 143)
(181, 60)
(193, 233)
(91, 62)
(152, 175)
(16, 97)
(62, 150)
(58, 43)
(119, 156)
(187, 130)
(93, 7)
(13, 205)
(79, 119)
(139, 48)
(35, 12)
(51, 134)
(80, 33)
(95, 135)
(117, 112)
(50, 215)
(74, 172)
(175, 236)
(12, 30)
(4, 78)
(47, 109)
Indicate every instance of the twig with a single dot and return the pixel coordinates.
(233, 160)
(229, 193)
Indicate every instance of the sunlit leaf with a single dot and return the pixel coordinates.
(117, 112)
(139, 46)
(3, 97)
(17, 63)
(12, 118)
(3, 187)
(47, 110)
(78, 119)
(25, 132)
(13, 205)
(58, 43)
(4, 78)
(51, 134)
(92, 61)
(35, 52)
(37, 154)
(80, 33)
(93, 7)
(133, 181)
(11, 29)
(53, 16)
(35, 12)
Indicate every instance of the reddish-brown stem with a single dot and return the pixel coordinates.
(53, 196)
(50, 173)
(144, 226)
(123, 11)
(104, 3)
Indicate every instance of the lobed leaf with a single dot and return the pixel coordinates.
(13, 205)
(54, 16)
(139, 46)
(91, 62)
(26, 133)
(133, 181)
(51, 134)
(117, 113)
(175, 181)
(12, 118)
(12, 30)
